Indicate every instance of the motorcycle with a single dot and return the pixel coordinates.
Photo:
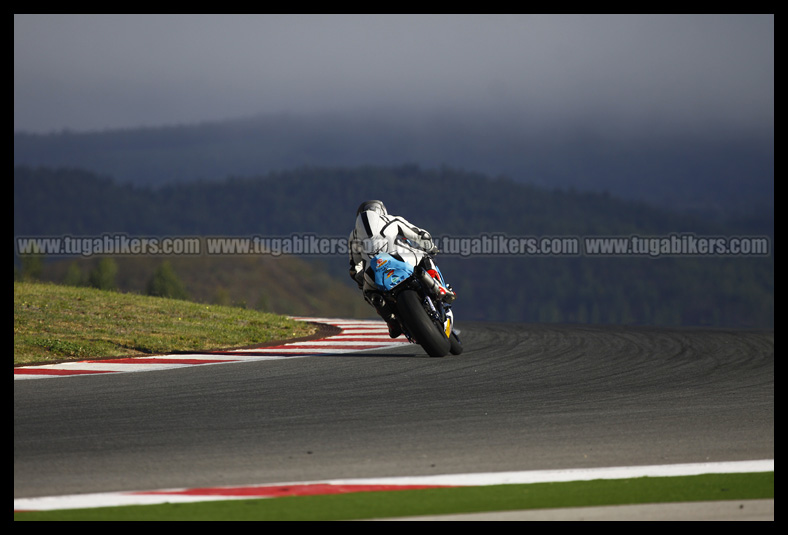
(418, 299)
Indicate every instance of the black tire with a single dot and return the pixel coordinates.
(427, 334)
(455, 344)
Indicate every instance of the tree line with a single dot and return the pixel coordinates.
(711, 291)
(163, 282)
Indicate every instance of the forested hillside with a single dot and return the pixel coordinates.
(665, 289)
(717, 173)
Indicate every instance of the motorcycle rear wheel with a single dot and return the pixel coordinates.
(429, 336)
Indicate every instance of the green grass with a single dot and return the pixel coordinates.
(55, 323)
(367, 505)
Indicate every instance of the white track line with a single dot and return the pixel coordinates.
(111, 499)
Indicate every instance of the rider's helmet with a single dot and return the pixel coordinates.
(375, 206)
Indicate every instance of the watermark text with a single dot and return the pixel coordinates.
(498, 244)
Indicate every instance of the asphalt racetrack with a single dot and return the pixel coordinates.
(521, 397)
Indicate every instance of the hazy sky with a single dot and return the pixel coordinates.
(88, 72)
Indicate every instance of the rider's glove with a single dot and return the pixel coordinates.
(426, 243)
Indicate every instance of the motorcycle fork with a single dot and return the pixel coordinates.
(434, 313)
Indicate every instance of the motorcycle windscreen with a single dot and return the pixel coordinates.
(389, 271)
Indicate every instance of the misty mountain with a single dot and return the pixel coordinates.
(711, 172)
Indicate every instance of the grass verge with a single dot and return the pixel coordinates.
(390, 504)
(55, 323)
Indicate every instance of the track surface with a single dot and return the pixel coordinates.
(521, 397)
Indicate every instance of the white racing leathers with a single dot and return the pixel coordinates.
(375, 233)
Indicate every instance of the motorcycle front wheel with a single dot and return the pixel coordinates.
(455, 347)
(419, 324)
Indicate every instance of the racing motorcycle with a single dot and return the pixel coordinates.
(418, 299)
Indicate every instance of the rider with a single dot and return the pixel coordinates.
(376, 231)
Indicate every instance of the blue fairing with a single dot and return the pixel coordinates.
(389, 271)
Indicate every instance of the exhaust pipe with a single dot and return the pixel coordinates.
(435, 288)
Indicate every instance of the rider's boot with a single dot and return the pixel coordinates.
(385, 311)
